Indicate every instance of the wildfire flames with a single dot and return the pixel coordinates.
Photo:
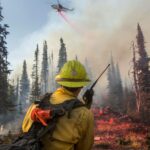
(113, 131)
(116, 131)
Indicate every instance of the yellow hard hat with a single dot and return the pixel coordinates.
(72, 74)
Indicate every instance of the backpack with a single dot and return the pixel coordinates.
(32, 139)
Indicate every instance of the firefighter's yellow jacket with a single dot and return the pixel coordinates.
(75, 133)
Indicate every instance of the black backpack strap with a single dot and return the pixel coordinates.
(43, 101)
(58, 110)
(50, 128)
(72, 104)
(76, 104)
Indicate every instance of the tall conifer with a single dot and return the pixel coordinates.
(35, 90)
(44, 70)
(115, 87)
(24, 85)
(143, 76)
(3, 65)
(62, 55)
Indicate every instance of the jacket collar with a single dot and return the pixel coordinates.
(61, 95)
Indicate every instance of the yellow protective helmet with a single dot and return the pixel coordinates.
(72, 74)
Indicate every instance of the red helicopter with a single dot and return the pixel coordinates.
(59, 7)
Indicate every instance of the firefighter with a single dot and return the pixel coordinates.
(76, 132)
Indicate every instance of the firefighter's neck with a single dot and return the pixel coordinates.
(74, 91)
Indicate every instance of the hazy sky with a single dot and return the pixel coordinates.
(97, 28)
(25, 18)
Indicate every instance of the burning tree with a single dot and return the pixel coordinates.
(142, 76)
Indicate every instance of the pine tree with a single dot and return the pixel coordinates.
(126, 97)
(24, 86)
(3, 65)
(17, 90)
(49, 73)
(35, 91)
(143, 62)
(143, 75)
(119, 88)
(111, 76)
(76, 57)
(111, 84)
(17, 93)
(115, 87)
(12, 100)
(62, 55)
(88, 69)
(135, 78)
(44, 70)
(89, 73)
(52, 85)
(12, 103)
(129, 99)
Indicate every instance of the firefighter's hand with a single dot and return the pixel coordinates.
(88, 97)
(39, 115)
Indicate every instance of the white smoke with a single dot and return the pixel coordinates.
(104, 27)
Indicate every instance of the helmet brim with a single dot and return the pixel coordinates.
(72, 84)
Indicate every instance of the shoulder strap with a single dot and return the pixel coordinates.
(67, 106)
(72, 104)
(43, 101)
